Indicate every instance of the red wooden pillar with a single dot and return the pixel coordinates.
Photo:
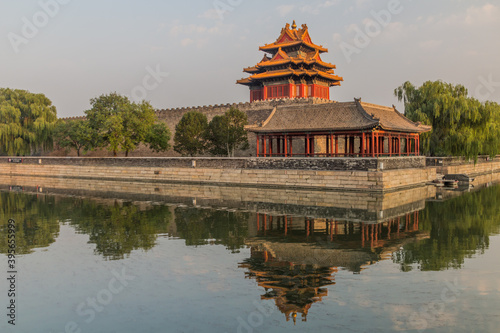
(286, 225)
(265, 146)
(312, 150)
(363, 144)
(373, 144)
(258, 145)
(332, 145)
(264, 93)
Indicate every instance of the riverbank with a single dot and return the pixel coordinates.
(349, 174)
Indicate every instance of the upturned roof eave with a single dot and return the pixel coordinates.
(301, 130)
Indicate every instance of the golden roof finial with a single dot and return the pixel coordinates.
(294, 25)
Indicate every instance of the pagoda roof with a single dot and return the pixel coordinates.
(328, 75)
(293, 37)
(282, 58)
(347, 116)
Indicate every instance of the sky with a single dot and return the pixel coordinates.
(190, 53)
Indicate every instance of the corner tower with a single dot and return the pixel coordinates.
(291, 68)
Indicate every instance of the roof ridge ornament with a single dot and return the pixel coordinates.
(294, 25)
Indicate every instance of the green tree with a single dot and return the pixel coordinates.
(227, 133)
(158, 138)
(75, 134)
(462, 126)
(119, 124)
(26, 122)
(189, 138)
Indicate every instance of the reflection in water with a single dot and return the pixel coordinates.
(459, 228)
(37, 224)
(119, 228)
(115, 228)
(295, 258)
(294, 288)
(294, 255)
(215, 227)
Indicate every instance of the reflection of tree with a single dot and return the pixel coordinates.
(459, 228)
(294, 288)
(37, 224)
(117, 230)
(202, 227)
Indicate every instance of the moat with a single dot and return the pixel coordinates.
(179, 258)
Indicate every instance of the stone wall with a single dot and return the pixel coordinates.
(307, 173)
(320, 164)
(456, 165)
(256, 112)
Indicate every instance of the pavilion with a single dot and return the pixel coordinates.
(351, 129)
(294, 69)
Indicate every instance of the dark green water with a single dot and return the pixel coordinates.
(95, 265)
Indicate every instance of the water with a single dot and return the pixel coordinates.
(410, 261)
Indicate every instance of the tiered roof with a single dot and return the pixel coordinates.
(292, 55)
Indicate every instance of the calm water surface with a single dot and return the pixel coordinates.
(102, 265)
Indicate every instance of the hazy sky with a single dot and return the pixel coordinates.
(75, 50)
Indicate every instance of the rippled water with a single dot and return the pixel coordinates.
(114, 265)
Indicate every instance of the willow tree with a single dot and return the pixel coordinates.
(26, 122)
(462, 126)
(118, 124)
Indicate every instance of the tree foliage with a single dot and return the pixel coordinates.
(119, 124)
(158, 138)
(189, 138)
(74, 134)
(227, 133)
(462, 126)
(26, 122)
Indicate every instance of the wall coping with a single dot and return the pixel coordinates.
(270, 163)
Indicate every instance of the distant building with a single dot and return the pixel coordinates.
(293, 69)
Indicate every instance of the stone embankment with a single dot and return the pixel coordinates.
(355, 174)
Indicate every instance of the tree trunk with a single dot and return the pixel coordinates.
(114, 153)
(126, 153)
(78, 152)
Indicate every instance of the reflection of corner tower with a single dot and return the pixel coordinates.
(293, 69)
(293, 287)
